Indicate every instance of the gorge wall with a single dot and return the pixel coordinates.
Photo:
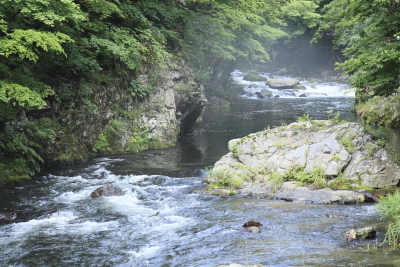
(115, 120)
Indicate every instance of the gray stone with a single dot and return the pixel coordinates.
(282, 83)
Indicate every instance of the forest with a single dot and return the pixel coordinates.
(50, 49)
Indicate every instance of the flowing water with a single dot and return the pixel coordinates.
(165, 220)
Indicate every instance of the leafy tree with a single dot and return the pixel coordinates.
(369, 32)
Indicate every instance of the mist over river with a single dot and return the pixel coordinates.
(165, 220)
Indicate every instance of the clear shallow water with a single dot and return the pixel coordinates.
(163, 220)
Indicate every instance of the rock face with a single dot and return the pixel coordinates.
(107, 191)
(282, 83)
(343, 152)
(177, 105)
(173, 107)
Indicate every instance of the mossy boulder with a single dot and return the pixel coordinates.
(254, 77)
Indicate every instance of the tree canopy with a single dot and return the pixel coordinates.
(369, 33)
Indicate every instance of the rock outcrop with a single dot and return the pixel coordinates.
(282, 83)
(343, 155)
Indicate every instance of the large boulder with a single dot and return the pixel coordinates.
(282, 83)
(254, 77)
(344, 154)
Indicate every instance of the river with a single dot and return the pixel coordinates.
(164, 219)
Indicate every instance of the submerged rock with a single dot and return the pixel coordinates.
(253, 85)
(361, 233)
(7, 217)
(107, 191)
(344, 153)
(301, 87)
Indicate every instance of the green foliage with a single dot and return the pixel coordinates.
(110, 137)
(316, 178)
(224, 179)
(390, 211)
(235, 150)
(367, 30)
(346, 139)
(380, 110)
(340, 182)
(184, 89)
(20, 143)
(334, 117)
(305, 118)
(138, 91)
(276, 179)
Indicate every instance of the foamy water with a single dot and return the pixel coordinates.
(313, 89)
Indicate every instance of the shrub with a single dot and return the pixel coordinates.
(224, 179)
(390, 211)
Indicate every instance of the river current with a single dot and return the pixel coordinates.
(165, 220)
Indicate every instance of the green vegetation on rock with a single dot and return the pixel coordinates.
(390, 211)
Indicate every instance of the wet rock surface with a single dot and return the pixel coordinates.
(290, 192)
(107, 191)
